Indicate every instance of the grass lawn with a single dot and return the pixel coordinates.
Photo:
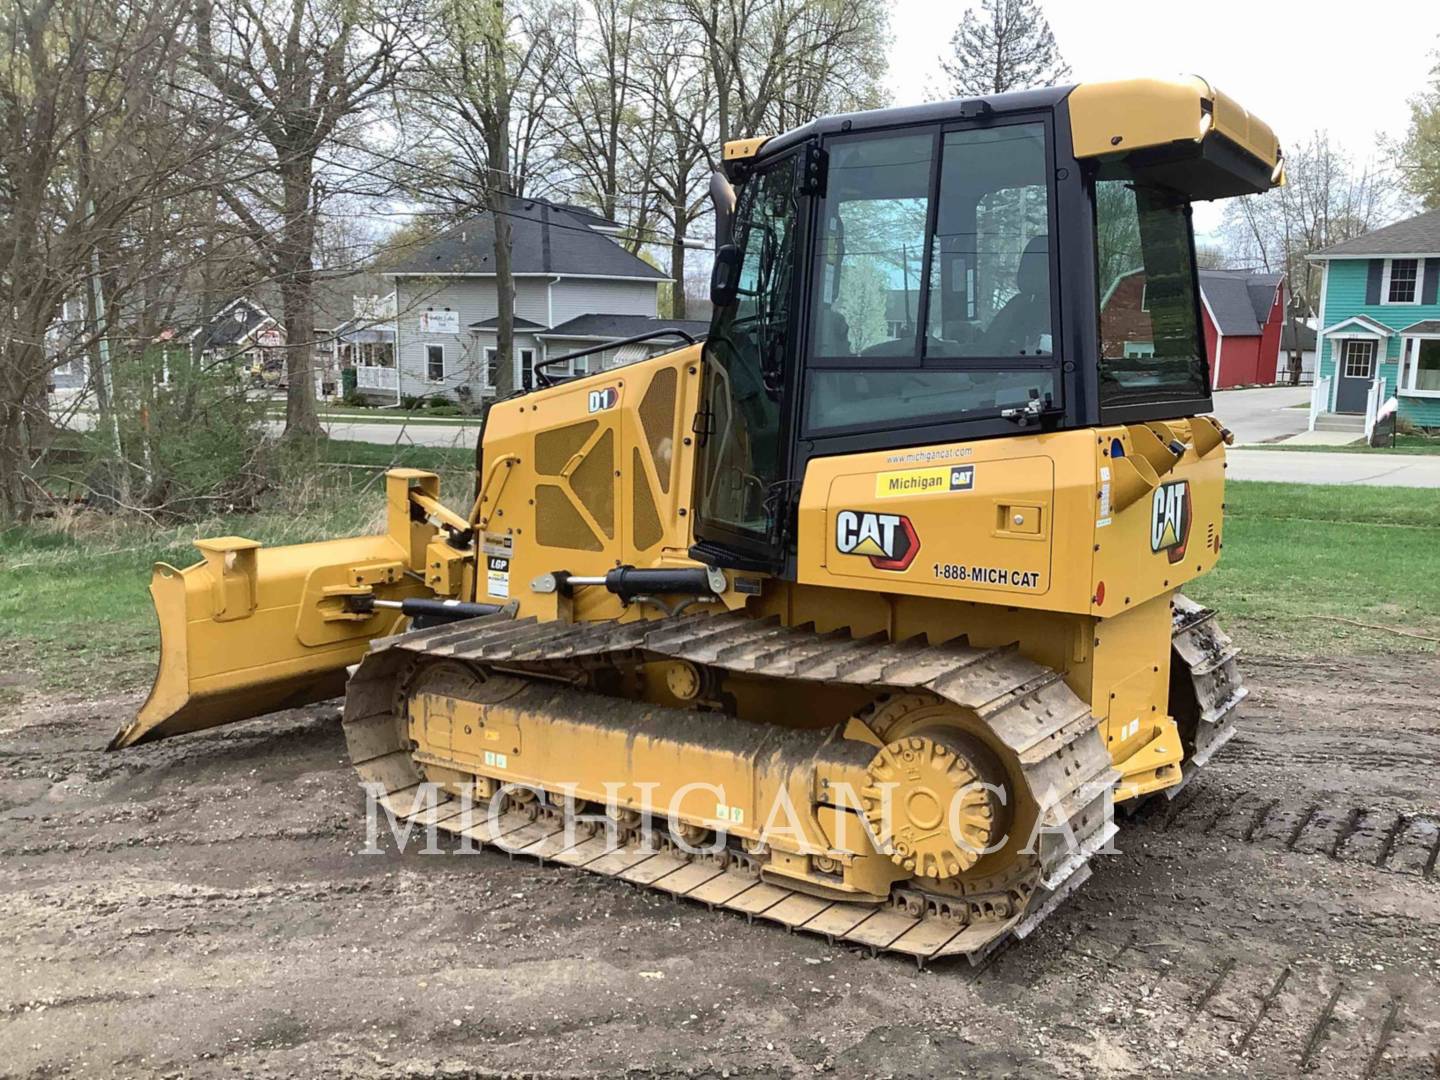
(74, 602)
(1404, 444)
(1298, 556)
(438, 458)
(75, 614)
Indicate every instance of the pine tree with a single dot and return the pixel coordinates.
(1005, 45)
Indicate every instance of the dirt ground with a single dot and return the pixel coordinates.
(200, 907)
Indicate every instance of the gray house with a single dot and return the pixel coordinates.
(575, 288)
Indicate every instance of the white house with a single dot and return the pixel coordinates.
(575, 287)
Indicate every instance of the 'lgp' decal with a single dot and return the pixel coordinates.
(1170, 519)
(600, 400)
(889, 541)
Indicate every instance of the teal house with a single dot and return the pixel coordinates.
(1379, 325)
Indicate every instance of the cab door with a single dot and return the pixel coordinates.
(743, 424)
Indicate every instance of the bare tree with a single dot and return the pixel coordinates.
(595, 89)
(777, 63)
(296, 72)
(1006, 45)
(1327, 198)
(475, 150)
(838, 63)
(680, 100)
(93, 153)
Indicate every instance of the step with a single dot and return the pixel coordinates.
(1339, 422)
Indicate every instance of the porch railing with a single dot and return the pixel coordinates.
(1319, 398)
(1374, 398)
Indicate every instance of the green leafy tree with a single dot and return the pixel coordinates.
(1418, 158)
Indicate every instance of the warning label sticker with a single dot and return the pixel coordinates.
(497, 576)
(933, 481)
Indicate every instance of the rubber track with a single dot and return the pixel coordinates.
(1028, 707)
(1213, 662)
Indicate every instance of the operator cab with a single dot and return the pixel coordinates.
(954, 271)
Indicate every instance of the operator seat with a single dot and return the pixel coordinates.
(834, 332)
(1017, 326)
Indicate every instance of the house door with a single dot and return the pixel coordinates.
(1356, 372)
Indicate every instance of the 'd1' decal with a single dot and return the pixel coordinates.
(600, 400)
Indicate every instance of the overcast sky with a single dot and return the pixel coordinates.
(1348, 67)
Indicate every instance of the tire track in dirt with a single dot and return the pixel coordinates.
(1393, 840)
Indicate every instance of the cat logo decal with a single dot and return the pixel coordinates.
(889, 541)
(1170, 519)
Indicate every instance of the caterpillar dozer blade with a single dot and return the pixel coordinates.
(251, 630)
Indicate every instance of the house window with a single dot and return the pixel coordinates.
(1139, 350)
(524, 368)
(1422, 372)
(435, 363)
(1144, 306)
(1358, 359)
(1402, 284)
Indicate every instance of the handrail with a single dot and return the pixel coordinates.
(671, 331)
(1319, 398)
(1373, 400)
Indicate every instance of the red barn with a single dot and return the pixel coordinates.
(1243, 314)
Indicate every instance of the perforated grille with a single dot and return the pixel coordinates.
(558, 524)
(657, 414)
(648, 532)
(554, 448)
(594, 482)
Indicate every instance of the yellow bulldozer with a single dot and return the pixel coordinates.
(859, 617)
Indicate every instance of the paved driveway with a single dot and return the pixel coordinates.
(1264, 415)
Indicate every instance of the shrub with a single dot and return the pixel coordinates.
(190, 447)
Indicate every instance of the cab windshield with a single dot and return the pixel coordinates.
(932, 281)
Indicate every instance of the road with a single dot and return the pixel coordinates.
(1255, 416)
(1264, 415)
(1295, 467)
(387, 434)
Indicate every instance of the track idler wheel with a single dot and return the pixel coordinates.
(928, 804)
